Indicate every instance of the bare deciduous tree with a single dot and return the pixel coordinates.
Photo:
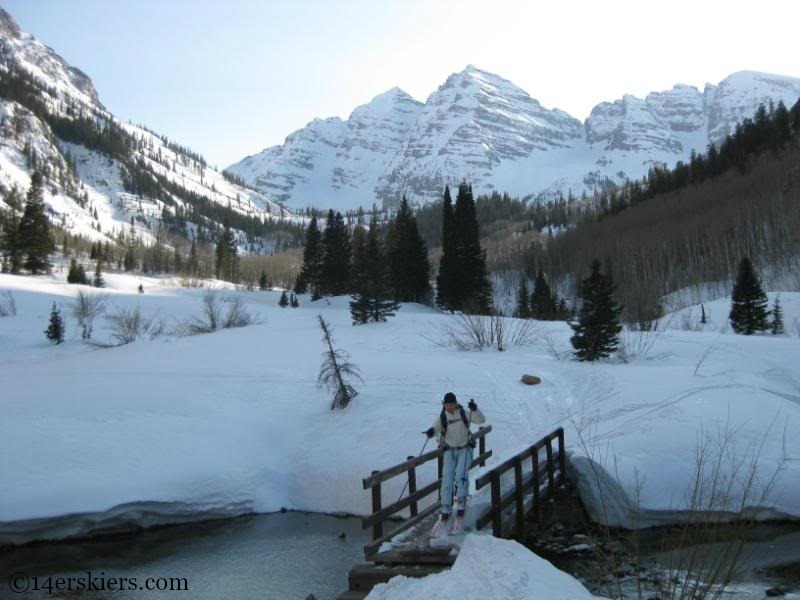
(86, 308)
(8, 307)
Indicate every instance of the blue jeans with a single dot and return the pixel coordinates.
(455, 472)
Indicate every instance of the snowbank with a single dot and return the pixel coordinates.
(489, 567)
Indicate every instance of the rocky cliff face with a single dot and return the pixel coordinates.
(481, 127)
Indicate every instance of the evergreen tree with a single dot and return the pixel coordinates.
(475, 289)
(373, 296)
(226, 253)
(335, 275)
(194, 261)
(748, 301)
(597, 330)
(359, 305)
(446, 281)
(55, 330)
(523, 310)
(776, 327)
(543, 302)
(284, 301)
(293, 302)
(13, 254)
(34, 229)
(407, 257)
(262, 281)
(76, 274)
(311, 271)
(98, 280)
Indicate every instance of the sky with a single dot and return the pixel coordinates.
(229, 79)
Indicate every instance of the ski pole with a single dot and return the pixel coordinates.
(427, 439)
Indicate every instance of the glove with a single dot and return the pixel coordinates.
(472, 406)
(430, 432)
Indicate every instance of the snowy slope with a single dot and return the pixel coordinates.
(66, 91)
(483, 128)
(232, 422)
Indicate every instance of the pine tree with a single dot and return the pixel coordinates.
(55, 330)
(523, 309)
(76, 274)
(335, 276)
(336, 370)
(226, 254)
(543, 302)
(284, 301)
(98, 280)
(262, 281)
(776, 327)
(748, 301)
(359, 305)
(475, 289)
(13, 255)
(34, 229)
(373, 297)
(311, 271)
(293, 302)
(597, 331)
(446, 281)
(407, 257)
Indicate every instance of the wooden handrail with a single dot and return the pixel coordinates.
(551, 471)
(379, 476)
(380, 513)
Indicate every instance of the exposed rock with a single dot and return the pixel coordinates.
(531, 380)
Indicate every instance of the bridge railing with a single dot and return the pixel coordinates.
(549, 472)
(381, 513)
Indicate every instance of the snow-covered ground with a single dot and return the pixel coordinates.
(232, 422)
(488, 567)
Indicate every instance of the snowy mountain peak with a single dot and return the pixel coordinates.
(8, 26)
(91, 161)
(28, 53)
(482, 127)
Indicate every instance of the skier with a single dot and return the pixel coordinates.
(453, 429)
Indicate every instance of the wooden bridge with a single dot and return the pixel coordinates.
(516, 506)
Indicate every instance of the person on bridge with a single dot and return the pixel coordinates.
(452, 426)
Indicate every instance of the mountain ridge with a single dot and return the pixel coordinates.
(482, 127)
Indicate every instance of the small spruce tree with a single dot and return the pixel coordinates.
(76, 274)
(523, 309)
(748, 302)
(776, 327)
(293, 301)
(55, 330)
(284, 301)
(262, 282)
(597, 330)
(97, 280)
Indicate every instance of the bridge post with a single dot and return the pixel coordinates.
(412, 486)
(482, 449)
(377, 529)
(562, 458)
(537, 503)
(519, 498)
(497, 511)
(551, 476)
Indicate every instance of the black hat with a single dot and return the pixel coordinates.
(449, 398)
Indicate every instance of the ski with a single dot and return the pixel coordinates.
(437, 528)
(458, 525)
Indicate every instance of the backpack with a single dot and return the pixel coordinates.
(443, 419)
